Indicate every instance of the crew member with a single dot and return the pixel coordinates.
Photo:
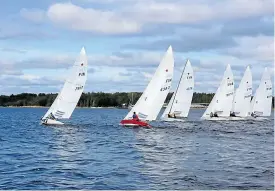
(135, 116)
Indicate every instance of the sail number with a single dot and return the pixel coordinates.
(164, 88)
(189, 88)
(189, 77)
(230, 84)
(81, 74)
(79, 88)
(231, 93)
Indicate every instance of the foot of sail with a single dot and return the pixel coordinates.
(50, 122)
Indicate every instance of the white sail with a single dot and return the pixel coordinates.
(180, 102)
(241, 104)
(221, 103)
(261, 102)
(67, 99)
(151, 101)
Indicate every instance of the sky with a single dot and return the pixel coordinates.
(126, 39)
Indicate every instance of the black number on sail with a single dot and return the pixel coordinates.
(168, 80)
(164, 88)
(230, 84)
(79, 88)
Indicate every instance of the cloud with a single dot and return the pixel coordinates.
(194, 12)
(190, 39)
(28, 83)
(182, 11)
(46, 62)
(92, 20)
(22, 34)
(28, 80)
(249, 27)
(135, 35)
(34, 15)
(259, 48)
(133, 60)
(133, 17)
(7, 68)
(13, 50)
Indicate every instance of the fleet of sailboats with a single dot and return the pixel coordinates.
(227, 103)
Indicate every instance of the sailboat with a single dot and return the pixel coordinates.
(180, 103)
(261, 102)
(151, 101)
(67, 99)
(241, 103)
(221, 104)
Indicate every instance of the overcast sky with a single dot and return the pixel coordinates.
(126, 39)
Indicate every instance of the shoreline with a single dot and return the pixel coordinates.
(111, 107)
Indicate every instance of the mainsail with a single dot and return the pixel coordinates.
(241, 103)
(180, 103)
(67, 99)
(261, 102)
(151, 101)
(221, 103)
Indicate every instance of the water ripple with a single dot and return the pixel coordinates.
(93, 152)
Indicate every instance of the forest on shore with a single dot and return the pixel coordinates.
(90, 99)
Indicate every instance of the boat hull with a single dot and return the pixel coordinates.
(259, 118)
(216, 119)
(134, 123)
(238, 118)
(173, 119)
(51, 122)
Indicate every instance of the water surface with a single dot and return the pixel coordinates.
(93, 152)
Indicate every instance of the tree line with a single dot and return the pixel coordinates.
(91, 99)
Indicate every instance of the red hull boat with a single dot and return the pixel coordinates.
(134, 123)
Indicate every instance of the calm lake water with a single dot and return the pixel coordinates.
(93, 152)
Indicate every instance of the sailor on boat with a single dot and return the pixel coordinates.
(254, 114)
(135, 116)
(213, 115)
(170, 115)
(50, 116)
(232, 114)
